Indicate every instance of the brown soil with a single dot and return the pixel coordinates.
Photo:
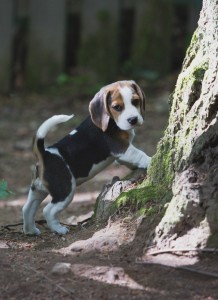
(102, 261)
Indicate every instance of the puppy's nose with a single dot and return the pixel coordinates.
(132, 120)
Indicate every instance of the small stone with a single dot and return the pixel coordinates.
(61, 268)
(127, 220)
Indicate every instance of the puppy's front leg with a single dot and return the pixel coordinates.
(134, 158)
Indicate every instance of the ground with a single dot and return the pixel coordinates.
(96, 261)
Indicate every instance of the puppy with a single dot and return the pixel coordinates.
(105, 136)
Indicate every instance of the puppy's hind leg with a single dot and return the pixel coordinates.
(36, 195)
(53, 209)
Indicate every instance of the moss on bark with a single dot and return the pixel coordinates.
(184, 171)
(186, 157)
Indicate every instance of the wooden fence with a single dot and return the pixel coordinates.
(41, 39)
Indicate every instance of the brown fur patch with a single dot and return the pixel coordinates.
(123, 135)
(116, 99)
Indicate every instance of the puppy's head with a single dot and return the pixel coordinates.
(123, 101)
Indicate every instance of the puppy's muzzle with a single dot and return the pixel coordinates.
(133, 120)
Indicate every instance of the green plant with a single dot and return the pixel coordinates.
(4, 191)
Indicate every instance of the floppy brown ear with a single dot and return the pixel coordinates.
(98, 110)
(141, 94)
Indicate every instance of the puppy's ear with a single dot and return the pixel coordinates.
(141, 94)
(99, 111)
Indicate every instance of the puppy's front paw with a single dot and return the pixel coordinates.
(144, 162)
(148, 161)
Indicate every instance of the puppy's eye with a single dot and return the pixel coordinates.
(117, 107)
(135, 102)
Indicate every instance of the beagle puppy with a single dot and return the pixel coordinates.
(105, 136)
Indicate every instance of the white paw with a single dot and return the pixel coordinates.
(144, 162)
(59, 229)
(149, 160)
(31, 231)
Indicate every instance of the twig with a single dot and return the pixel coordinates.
(182, 250)
(49, 280)
(84, 221)
(10, 225)
(7, 226)
(42, 222)
(205, 273)
(210, 274)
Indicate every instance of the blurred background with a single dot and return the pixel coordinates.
(56, 54)
(43, 42)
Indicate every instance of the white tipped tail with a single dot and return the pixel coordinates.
(38, 145)
(51, 122)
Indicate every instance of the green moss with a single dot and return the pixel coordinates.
(192, 49)
(139, 195)
(144, 200)
(96, 206)
(176, 145)
(161, 170)
(140, 212)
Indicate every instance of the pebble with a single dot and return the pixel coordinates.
(61, 268)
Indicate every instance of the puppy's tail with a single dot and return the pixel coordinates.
(38, 144)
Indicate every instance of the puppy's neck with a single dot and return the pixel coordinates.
(114, 131)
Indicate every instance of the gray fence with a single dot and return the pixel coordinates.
(41, 39)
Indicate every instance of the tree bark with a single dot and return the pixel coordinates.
(186, 161)
(184, 171)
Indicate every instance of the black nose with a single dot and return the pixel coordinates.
(132, 120)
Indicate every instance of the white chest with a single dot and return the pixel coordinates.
(96, 168)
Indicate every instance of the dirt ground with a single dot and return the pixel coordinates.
(94, 261)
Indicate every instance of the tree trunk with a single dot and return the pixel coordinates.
(186, 161)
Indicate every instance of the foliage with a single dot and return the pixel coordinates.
(4, 191)
(81, 83)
